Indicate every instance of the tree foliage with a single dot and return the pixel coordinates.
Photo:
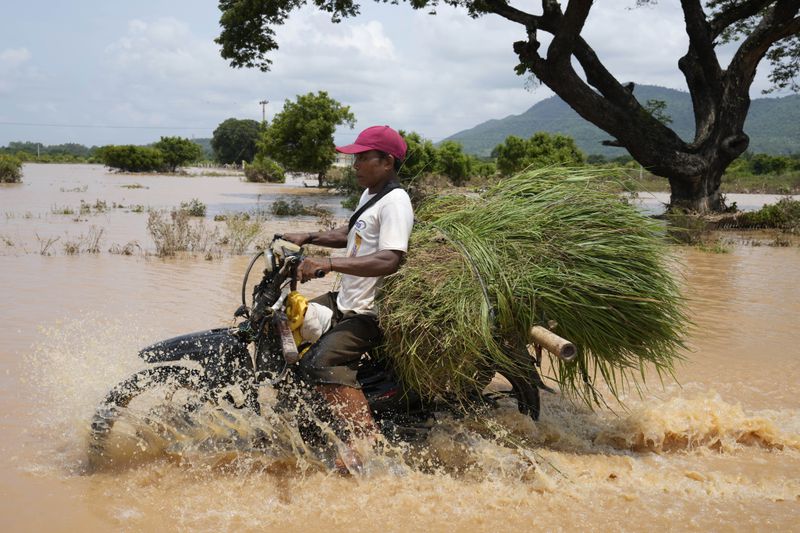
(235, 140)
(177, 151)
(10, 169)
(556, 53)
(131, 158)
(540, 150)
(452, 162)
(420, 156)
(761, 164)
(301, 135)
(264, 169)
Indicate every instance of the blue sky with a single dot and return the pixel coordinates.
(112, 72)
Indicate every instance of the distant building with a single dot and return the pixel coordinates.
(343, 160)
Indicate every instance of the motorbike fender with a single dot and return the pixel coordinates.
(217, 350)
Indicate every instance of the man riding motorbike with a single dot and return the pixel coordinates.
(376, 240)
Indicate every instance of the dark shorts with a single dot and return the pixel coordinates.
(334, 357)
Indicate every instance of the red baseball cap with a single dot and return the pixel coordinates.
(381, 138)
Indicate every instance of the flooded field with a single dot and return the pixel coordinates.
(718, 450)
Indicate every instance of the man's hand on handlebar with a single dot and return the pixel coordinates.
(313, 267)
(298, 238)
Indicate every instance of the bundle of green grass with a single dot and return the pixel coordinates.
(550, 245)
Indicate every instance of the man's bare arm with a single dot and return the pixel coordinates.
(335, 238)
(380, 263)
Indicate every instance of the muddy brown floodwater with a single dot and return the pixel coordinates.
(720, 451)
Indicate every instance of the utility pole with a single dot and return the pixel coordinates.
(263, 111)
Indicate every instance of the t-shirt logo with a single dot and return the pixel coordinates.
(361, 225)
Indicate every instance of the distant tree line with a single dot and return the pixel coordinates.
(300, 139)
(57, 153)
(764, 164)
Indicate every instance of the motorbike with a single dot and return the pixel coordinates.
(228, 366)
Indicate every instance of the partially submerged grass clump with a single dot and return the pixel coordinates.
(547, 245)
(785, 215)
(240, 232)
(194, 208)
(89, 243)
(174, 232)
(296, 208)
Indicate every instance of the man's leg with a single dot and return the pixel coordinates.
(351, 404)
(331, 365)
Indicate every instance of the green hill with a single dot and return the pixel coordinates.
(773, 124)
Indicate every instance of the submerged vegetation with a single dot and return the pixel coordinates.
(264, 170)
(295, 208)
(240, 232)
(194, 208)
(10, 169)
(173, 232)
(167, 154)
(546, 245)
(784, 215)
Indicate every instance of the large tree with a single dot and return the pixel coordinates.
(301, 135)
(762, 28)
(235, 140)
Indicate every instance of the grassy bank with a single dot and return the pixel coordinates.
(787, 183)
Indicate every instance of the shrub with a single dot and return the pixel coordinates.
(10, 169)
(282, 208)
(130, 158)
(264, 169)
(194, 208)
(174, 233)
(783, 215)
(452, 162)
(542, 149)
(240, 231)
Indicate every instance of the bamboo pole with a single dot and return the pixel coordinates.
(565, 350)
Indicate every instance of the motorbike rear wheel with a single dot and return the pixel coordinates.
(167, 384)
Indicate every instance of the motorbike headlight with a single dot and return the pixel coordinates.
(268, 257)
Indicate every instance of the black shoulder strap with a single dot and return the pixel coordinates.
(389, 187)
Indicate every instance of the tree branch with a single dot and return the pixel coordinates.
(734, 13)
(570, 26)
(600, 98)
(779, 22)
(598, 76)
(701, 42)
(500, 7)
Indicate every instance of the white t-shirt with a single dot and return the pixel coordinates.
(386, 225)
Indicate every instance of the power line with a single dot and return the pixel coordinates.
(103, 126)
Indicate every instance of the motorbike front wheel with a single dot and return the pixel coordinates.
(134, 400)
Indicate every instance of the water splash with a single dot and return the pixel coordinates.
(226, 468)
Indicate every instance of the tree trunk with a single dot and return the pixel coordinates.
(700, 194)
(320, 179)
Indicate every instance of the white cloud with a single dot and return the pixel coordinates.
(432, 74)
(450, 73)
(11, 58)
(16, 69)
